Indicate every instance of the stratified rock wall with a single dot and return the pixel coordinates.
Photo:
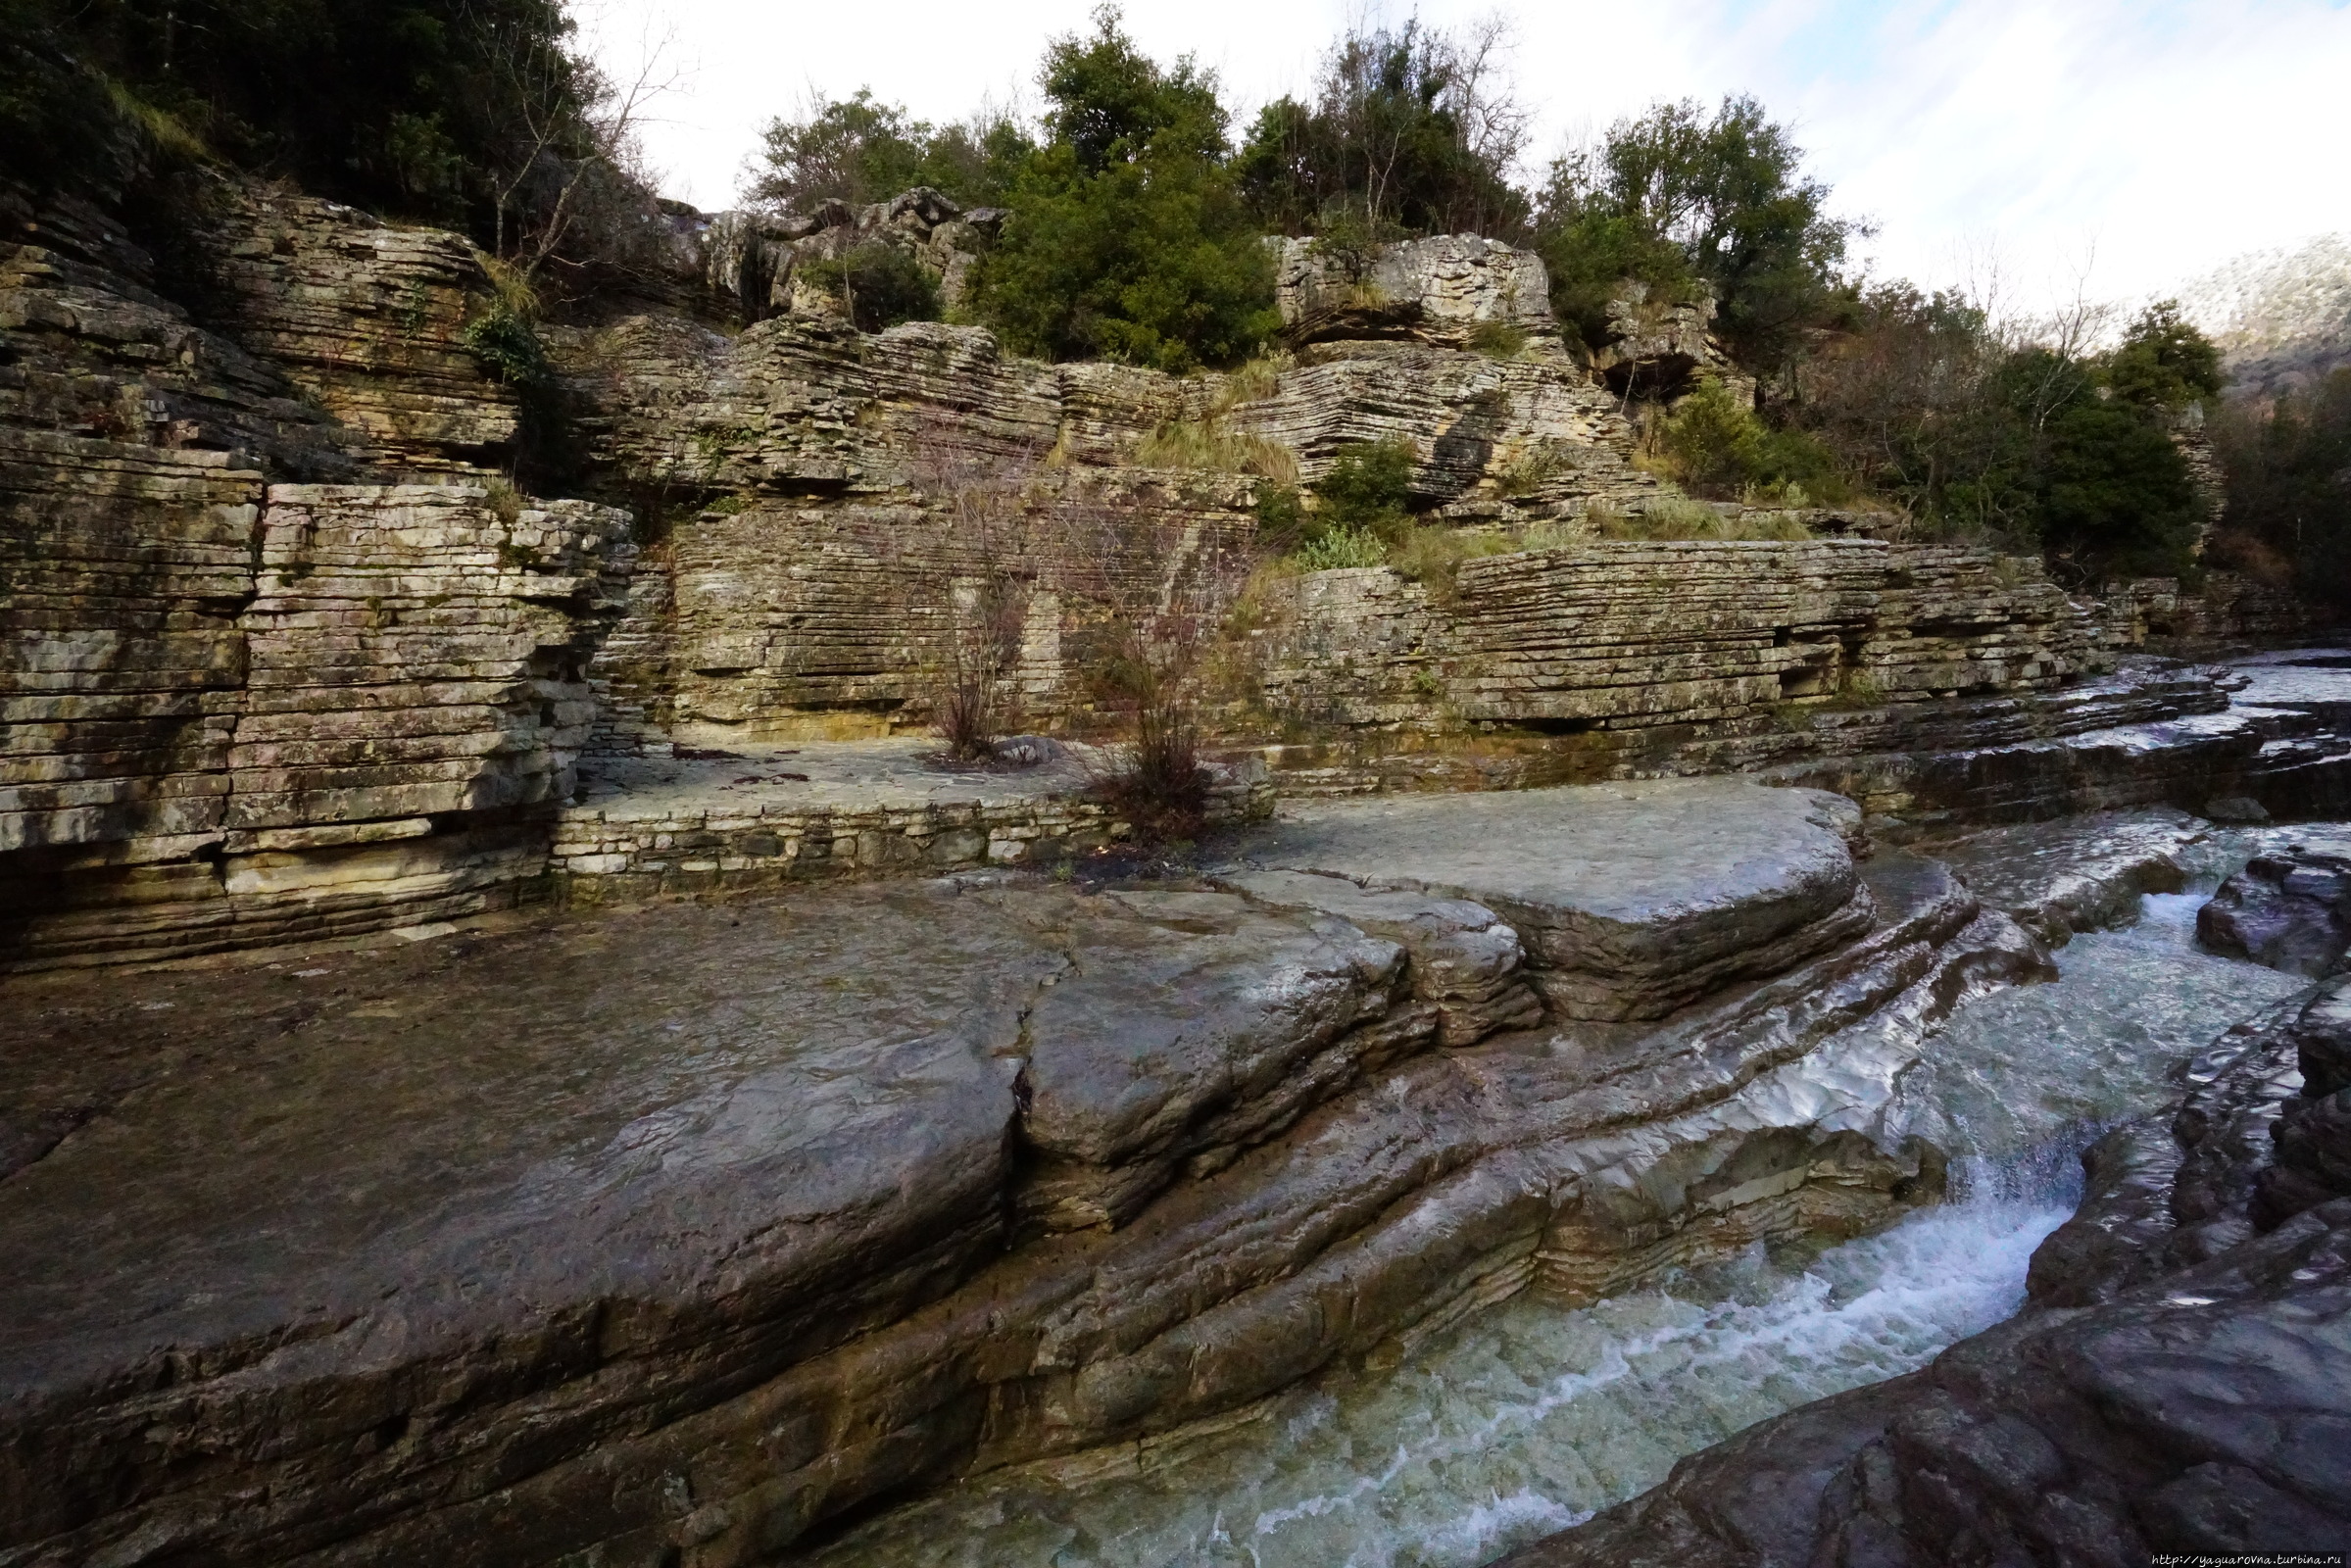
(1634, 635)
(239, 709)
(353, 703)
(367, 321)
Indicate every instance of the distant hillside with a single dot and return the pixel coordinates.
(2281, 318)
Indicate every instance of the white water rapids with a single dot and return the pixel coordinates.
(1529, 1417)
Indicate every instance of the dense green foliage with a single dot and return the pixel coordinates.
(858, 150)
(1401, 138)
(1365, 488)
(881, 285)
(1718, 447)
(1679, 196)
(403, 105)
(478, 114)
(2163, 363)
(1127, 238)
(1923, 403)
(2289, 474)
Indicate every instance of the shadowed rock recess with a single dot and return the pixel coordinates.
(783, 1119)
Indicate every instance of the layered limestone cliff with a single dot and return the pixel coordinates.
(814, 526)
(242, 710)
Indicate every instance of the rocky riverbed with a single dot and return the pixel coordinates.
(697, 1228)
(688, 1228)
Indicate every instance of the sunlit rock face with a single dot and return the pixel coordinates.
(1441, 289)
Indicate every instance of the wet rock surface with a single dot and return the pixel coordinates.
(2291, 911)
(684, 1152)
(2057, 878)
(1632, 900)
(672, 1234)
(2179, 1383)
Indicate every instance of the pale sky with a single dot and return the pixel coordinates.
(2147, 141)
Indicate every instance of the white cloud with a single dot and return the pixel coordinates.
(2163, 135)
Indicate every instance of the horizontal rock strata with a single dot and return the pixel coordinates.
(1239, 1098)
(1632, 899)
(343, 704)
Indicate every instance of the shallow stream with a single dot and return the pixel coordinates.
(1530, 1417)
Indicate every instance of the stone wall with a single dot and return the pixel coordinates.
(239, 709)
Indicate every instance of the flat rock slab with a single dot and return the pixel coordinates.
(2316, 680)
(2077, 875)
(1632, 899)
(813, 775)
(600, 1168)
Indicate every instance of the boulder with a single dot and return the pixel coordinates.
(1441, 289)
(2290, 911)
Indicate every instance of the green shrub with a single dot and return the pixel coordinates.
(1343, 547)
(1716, 446)
(881, 285)
(1281, 516)
(1150, 263)
(1365, 488)
(503, 343)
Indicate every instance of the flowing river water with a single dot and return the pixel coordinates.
(1531, 1416)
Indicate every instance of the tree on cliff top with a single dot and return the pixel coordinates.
(2162, 360)
(1409, 134)
(1127, 238)
(860, 150)
(1680, 195)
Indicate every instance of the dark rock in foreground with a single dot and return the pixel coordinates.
(664, 1236)
(2290, 911)
(2179, 1381)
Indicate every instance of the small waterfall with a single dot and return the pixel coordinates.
(1530, 1417)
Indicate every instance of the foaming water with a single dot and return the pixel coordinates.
(1530, 1417)
(2035, 1072)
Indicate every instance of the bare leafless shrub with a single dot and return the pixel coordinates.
(1149, 655)
(986, 553)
